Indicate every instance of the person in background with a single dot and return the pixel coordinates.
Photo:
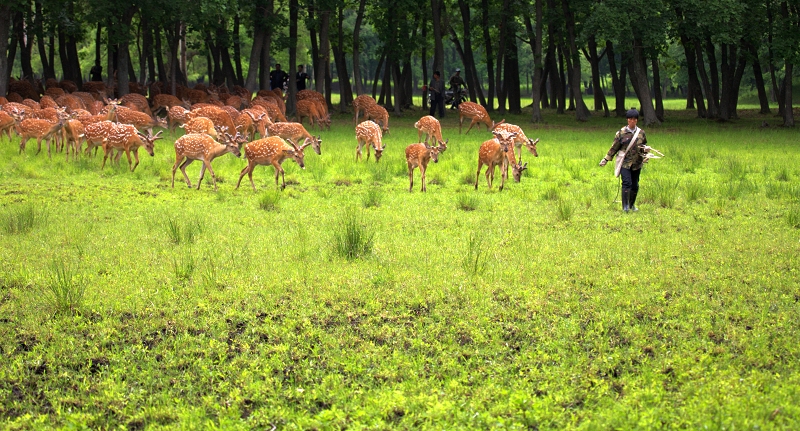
(277, 77)
(456, 83)
(437, 94)
(96, 71)
(630, 147)
(301, 78)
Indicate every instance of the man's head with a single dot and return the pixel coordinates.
(633, 117)
(300, 68)
(277, 66)
(458, 71)
(436, 74)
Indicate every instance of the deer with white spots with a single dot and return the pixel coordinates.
(499, 152)
(360, 104)
(369, 134)
(96, 133)
(295, 132)
(39, 129)
(177, 116)
(477, 114)
(126, 138)
(378, 114)
(520, 138)
(271, 151)
(140, 120)
(200, 125)
(418, 156)
(198, 146)
(431, 127)
(310, 108)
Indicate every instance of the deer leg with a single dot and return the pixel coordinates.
(358, 151)
(213, 176)
(135, 155)
(460, 122)
(474, 122)
(410, 178)
(183, 166)
(478, 174)
(22, 145)
(202, 174)
(490, 175)
(106, 152)
(242, 174)
(503, 174)
(422, 170)
(39, 149)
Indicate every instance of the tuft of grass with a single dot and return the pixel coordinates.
(22, 219)
(783, 173)
(466, 202)
(183, 231)
(468, 178)
(564, 209)
(475, 256)
(694, 190)
(735, 189)
(183, 268)
(65, 288)
(735, 168)
(372, 198)
(793, 217)
(552, 193)
(665, 191)
(269, 200)
(352, 238)
(380, 172)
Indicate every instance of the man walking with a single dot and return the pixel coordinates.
(437, 94)
(277, 77)
(301, 78)
(456, 83)
(630, 147)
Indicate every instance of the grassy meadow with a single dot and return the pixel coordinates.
(345, 301)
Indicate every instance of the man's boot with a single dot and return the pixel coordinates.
(626, 196)
(633, 200)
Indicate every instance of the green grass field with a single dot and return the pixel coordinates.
(345, 301)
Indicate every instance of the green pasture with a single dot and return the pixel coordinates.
(345, 301)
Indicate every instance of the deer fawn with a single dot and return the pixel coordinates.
(96, 134)
(431, 127)
(418, 155)
(137, 102)
(498, 152)
(378, 114)
(75, 133)
(271, 151)
(39, 129)
(260, 119)
(197, 146)
(313, 95)
(295, 132)
(369, 133)
(310, 108)
(271, 107)
(477, 113)
(520, 137)
(219, 116)
(168, 101)
(360, 104)
(200, 125)
(177, 115)
(126, 138)
(6, 124)
(140, 120)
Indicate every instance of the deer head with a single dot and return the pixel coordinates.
(297, 153)
(516, 170)
(434, 152)
(532, 146)
(149, 141)
(231, 143)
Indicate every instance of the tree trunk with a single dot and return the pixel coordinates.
(378, 74)
(5, 27)
(788, 115)
(466, 53)
(291, 98)
(356, 48)
(641, 85)
(162, 70)
(657, 91)
(599, 96)
(535, 37)
(124, 58)
(345, 92)
(713, 106)
(263, 11)
(424, 61)
(759, 75)
(237, 50)
(48, 69)
(324, 52)
(487, 42)
(25, 46)
(616, 83)
(691, 69)
(582, 112)
(711, 54)
(511, 72)
(437, 11)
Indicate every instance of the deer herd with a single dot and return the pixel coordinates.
(217, 122)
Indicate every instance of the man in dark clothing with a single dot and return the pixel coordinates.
(437, 94)
(96, 71)
(277, 77)
(630, 146)
(456, 83)
(301, 78)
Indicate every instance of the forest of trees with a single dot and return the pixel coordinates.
(387, 47)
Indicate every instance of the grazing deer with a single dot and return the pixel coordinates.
(260, 119)
(96, 133)
(196, 146)
(177, 116)
(200, 125)
(247, 121)
(369, 133)
(140, 120)
(15, 110)
(271, 151)
(295, 132)
(520, 137)
(39, 129)
(475, 112)
(125, 137)
(270, 107)
(431, 127)
(418, 155)
(74, 135)
(310, 108)
(317, 96)
(378, 114)
(219, 116)
(360, 104)
(498, 152)
(137, 102)
(6, 124)
(168, 101)
(278, 101)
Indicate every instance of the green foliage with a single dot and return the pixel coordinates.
(22, 219)
(793, 217)
(475, 255)
(270, 200)
(372, 198)
(467, 202)
(64, 290)
(665, 191)
(564, 209)
(352, 237)
(181, 230)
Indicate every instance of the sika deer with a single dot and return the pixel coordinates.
(520, 137)
(477, 113)
(378, 114)
(177, 116)
(39, 129)
(418, 155)
(200, 125)
(316, 96)
(96, 134)
(126, 138)
(360, 104)
(6, 124)
(270, 107)
(168, 101)
(498, 152)
(310, 108)
(271, 151)
(219, 116)
(197, 146)
(140, 120)
(260, 119)
(295, 132)
(431, 127)
(369, 133)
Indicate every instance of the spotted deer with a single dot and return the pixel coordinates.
(75, 133)
(273, 151)
(360, 105)
(317, 96)
(140, 120)
(168, 101)
(200, 125)
(198, 146)
(125, 137)
(96, 133)
(369, 133)
(247, 121)
(6, 124)
(431, 127)
(271, 107)
(520, 137)
(498, 152)
(295, 132)
(477, 114)
(310, 108)
(378, 114)
(176, 116)
(219, 116)
(39, 129)
(260, 119)
(418, 155)
(137, 102)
